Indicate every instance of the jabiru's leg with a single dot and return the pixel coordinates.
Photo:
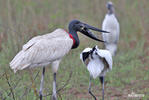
(102, 82)
(55, 66)
(89, 89)
(54, 87)
(41, 83)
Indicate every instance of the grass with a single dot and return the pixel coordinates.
(20, 20)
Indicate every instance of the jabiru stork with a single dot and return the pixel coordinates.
(111, 24)
(50, 49)
(98, 62)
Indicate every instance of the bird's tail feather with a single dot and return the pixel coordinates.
(18, 62)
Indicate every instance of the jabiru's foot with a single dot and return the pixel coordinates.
(40, 95)
(54, 97)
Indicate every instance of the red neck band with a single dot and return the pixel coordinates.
(71, 37)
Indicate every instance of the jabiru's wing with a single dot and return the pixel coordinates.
(55, 34)
(107, 55)
(42, 50)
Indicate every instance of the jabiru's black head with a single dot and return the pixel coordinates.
(110, 7)
(76, 25)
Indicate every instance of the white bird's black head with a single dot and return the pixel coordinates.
(110, 7)
(75, 26)
(93, 52)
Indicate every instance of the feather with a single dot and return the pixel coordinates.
(42, 50)
(107, 55)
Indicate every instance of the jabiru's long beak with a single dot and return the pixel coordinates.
(94, 28)
(84, 28)
(88, 33)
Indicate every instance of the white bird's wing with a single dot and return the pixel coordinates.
(118, 32)
(107, 55)
(43, 50)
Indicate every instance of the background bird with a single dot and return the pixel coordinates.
(50, 48)
(98, 62)
(111, 24)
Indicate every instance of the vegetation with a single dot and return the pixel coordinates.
(20, 20)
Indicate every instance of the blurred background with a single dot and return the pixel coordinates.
(20, 20)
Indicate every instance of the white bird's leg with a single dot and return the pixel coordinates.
(54, 88)
(102, 82)
(41, 83)
(89, 89)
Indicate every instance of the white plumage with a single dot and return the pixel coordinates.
(43, 50)
(94, 68)
(111, 25)
(96, 61)
(106, 55)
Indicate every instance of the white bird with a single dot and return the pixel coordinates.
(98, 62)
(111, 25)
(50, 49)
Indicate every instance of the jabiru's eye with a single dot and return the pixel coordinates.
(82, 27)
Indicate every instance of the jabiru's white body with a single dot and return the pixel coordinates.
(111, 24)
(98, 62)
(43, 50)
